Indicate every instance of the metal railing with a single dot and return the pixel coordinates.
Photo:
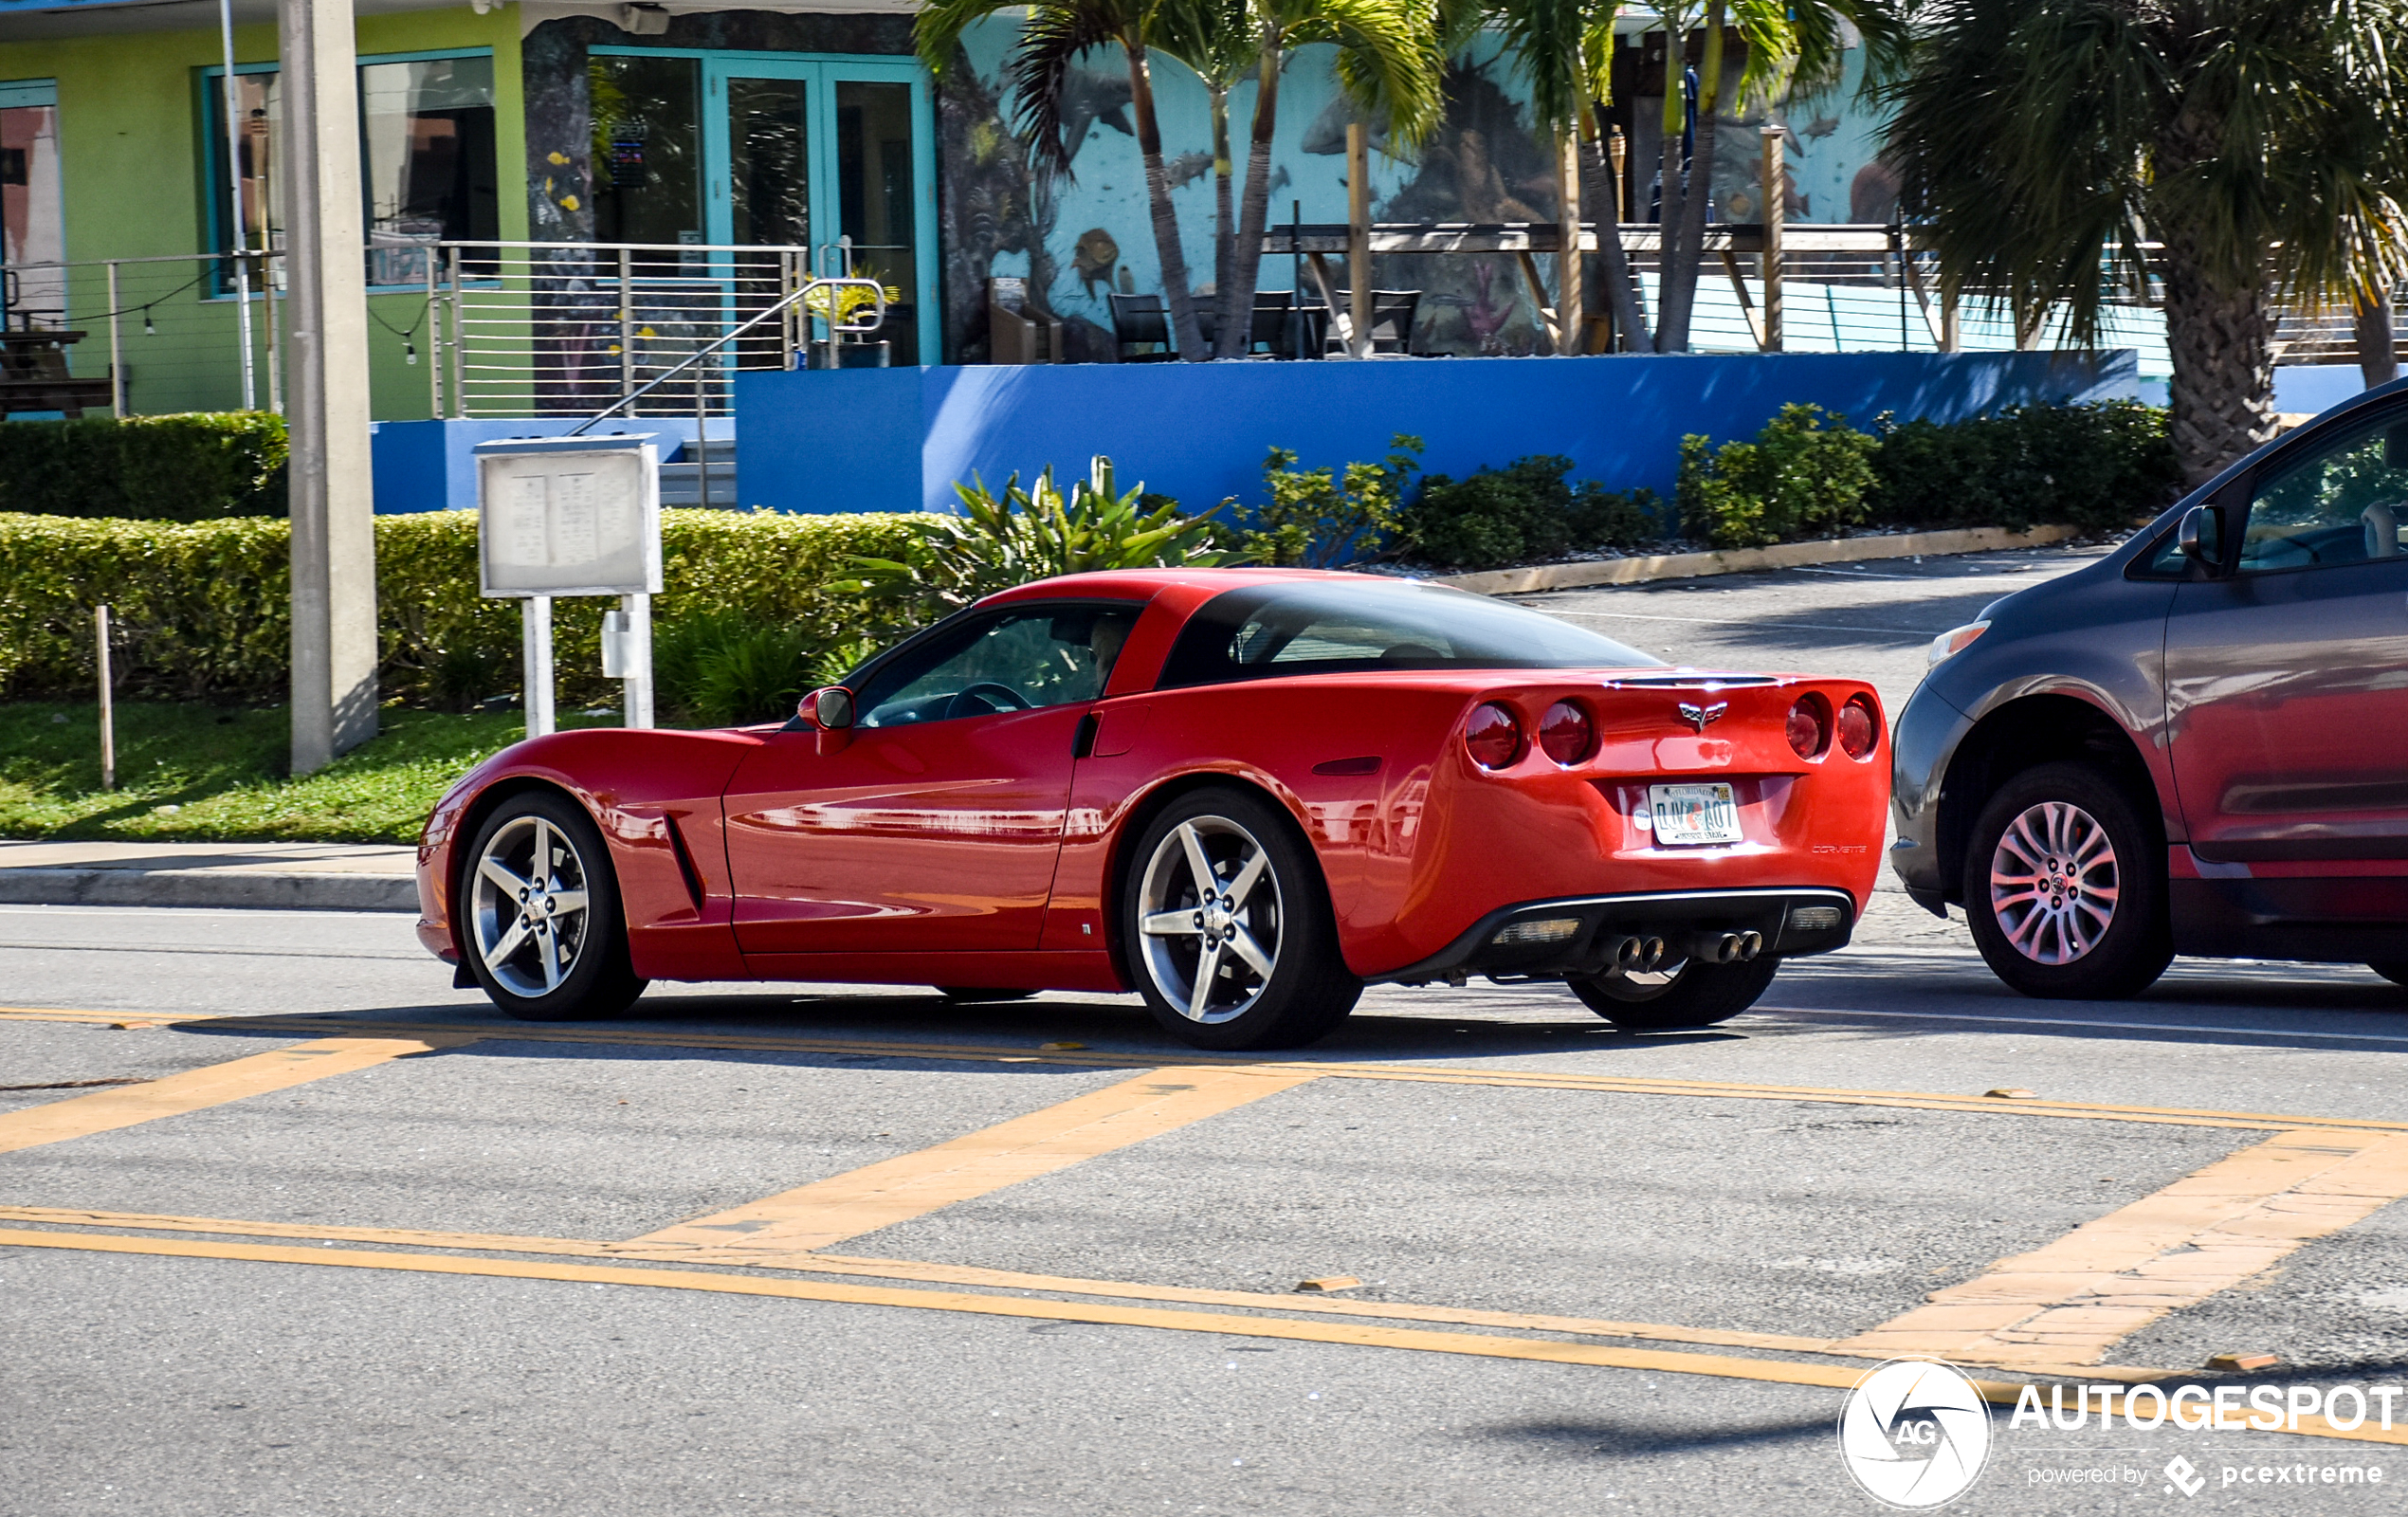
(534, 329)
(165, 332)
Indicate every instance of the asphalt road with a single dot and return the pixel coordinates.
(819, 1250)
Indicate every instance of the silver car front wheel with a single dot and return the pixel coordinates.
(2054, 882)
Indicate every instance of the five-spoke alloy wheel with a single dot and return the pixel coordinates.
(2065, 886)
(1227, 926)
(540, 906)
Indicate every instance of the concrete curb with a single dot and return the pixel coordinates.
(207, 887)
(1744, 560)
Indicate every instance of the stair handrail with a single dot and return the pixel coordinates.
(835, 326)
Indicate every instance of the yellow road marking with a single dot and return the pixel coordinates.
(910, 1185)
(1538, 1350)
(195, 1089)
(938, 1274)
(1535, 1079)
(2068, 1302)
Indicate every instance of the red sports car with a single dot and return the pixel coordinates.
(1243, 793)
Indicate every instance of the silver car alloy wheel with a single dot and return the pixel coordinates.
(1209, 915)
(2053, 883)
(529, 906)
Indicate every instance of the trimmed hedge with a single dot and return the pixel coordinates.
(189, 467)
(202, 609)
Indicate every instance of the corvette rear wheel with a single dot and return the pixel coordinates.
(1687, 995)
(1228, 929)
(545, 935)
(2064, 887)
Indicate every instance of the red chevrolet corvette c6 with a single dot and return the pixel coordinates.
(1241, 794)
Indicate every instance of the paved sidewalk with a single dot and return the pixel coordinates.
(302, 876)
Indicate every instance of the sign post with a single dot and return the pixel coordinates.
(574, 516)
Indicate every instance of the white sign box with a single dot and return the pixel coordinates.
(569, 515)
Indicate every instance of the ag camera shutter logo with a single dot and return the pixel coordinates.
(1914, 1433)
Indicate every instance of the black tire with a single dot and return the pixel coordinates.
(1307, 989)
(590, 977)
(1690, 996)
(2395, 970)
(973, 992)
(2084, 916)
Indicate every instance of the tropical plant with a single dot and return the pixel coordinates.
(1523, 513)
(1797, 479)
(1321, 517)
(1053, 34)
(2263, 143)
(999, 541)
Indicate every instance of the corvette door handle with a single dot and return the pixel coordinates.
(1082, 740)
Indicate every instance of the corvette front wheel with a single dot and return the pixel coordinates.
(545, 937)
(1228, 927)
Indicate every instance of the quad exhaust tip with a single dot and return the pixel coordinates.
(1636, 956)
(1726, 947)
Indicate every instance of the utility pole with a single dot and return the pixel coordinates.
(334, 538)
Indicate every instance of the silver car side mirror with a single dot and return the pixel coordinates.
(829, 709)
(2195, 535)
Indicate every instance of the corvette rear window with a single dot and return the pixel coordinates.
(1323, 627)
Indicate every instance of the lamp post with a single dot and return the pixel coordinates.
(334, 551)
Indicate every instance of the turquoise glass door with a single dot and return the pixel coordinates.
(835, 155)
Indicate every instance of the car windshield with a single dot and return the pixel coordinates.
(1330, 626)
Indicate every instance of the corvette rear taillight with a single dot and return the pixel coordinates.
(1493, 736)
(1859, 728)
(1810, 725)
(1565, 733)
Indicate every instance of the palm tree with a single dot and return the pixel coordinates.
(2259, 141)
(1790, 47)
(1215, 39)
(1564, 50)
(1392, 63)
(1053, 35)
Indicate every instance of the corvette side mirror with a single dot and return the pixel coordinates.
(829, 709)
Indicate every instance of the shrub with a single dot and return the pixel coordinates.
(1798, 479)
(2096, 466)
(1520, 514)
(1319, 518)
(188, 468)
(203, 609)
(1003, 540)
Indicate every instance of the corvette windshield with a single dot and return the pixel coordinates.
(1328, 627)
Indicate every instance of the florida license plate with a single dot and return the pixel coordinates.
(1693, 815)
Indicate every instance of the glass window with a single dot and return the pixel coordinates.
(647, 150)
(427, 150)
(427, 160)
(2342, 501)
(30, 228)
(1305, 627)
(874, 200)
(1011, 661)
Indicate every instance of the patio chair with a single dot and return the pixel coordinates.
(1017, 332)
(1138, 322)
(1392, 318)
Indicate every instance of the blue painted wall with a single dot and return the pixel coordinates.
(896, 439)
(431, 466)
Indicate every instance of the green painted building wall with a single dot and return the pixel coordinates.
(134, 170)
